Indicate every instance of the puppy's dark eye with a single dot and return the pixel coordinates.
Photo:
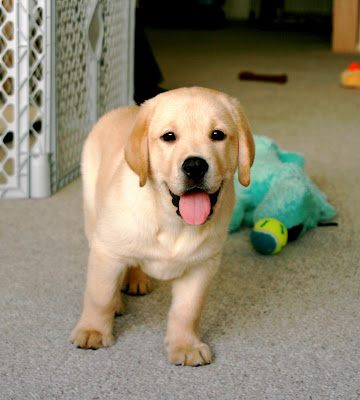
(218, 135)
(169, 137)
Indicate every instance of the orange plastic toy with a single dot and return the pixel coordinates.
(351, 77)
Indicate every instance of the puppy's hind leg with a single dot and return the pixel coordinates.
(136, 282)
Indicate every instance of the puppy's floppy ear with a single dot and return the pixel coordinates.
(137, 147)
(246, 143)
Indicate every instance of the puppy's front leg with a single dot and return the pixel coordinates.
(183, 343)
(102, 300)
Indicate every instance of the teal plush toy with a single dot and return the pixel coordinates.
(280, 189)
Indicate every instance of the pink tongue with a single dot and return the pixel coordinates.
(195, 207)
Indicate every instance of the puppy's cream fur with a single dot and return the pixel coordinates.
(130, 221)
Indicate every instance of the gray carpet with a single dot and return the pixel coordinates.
(281, 327)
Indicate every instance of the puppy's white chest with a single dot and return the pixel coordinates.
(171, 255)
(162, 269)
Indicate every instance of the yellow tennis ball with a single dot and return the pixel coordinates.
(269, 236)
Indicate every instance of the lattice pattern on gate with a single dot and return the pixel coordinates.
(46, 85)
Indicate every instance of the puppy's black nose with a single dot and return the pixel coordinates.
(195, 168)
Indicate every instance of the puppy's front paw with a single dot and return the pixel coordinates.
(91, 339)
(189, 354)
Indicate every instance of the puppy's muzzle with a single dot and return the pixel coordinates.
(195, 168)
(195, 204)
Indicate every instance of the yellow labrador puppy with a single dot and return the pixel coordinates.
(158, 199)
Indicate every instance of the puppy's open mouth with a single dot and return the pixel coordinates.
(195, 206)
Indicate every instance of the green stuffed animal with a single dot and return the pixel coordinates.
(280, 189)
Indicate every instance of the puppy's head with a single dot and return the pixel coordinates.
(190, 141)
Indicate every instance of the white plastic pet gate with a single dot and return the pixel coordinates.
(63, 63)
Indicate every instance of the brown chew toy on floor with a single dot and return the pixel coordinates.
(250, 76)
(351, 77)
